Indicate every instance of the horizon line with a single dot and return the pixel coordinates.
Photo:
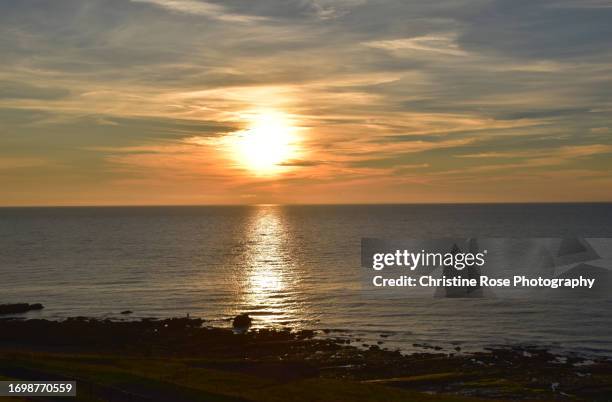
(299, 204)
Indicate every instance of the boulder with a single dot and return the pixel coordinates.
(242, 321)
(19, 308)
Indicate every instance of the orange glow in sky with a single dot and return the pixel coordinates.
(269, 141)
(173, 102)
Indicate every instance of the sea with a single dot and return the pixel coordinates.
(294, 267)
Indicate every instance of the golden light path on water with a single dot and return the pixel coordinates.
(271, 279)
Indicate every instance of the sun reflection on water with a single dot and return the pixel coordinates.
(270, 290)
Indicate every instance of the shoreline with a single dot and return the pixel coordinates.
(361, 339)
(295, 356)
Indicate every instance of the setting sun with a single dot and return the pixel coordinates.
(269, 142)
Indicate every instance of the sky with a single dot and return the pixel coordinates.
(139, 102)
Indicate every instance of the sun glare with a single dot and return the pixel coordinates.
(268, 142)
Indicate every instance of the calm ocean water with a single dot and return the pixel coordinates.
(294, 266)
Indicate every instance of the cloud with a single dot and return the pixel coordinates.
(301, 163)
(537, 158)
(21, 90)
(442, 43)
(570, 151)
(539, 113)
(405, 90)
(578, 151)
(21, 162)
(195, 7)
(559, 30)
(589, 4)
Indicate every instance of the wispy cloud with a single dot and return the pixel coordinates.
(203, 8)
(577, 4)
(133, 97)
(560, 153)
(21, 162)
(21, 90)
(442, 43)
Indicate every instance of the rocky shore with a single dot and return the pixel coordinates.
(286, 356)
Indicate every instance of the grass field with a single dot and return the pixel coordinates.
(104, 378)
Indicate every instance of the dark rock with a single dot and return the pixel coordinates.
(19, 308)
(305, 334)
(126, 312)
(242, 321)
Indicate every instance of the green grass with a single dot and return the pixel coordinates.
(182, 379)
(424, 379)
